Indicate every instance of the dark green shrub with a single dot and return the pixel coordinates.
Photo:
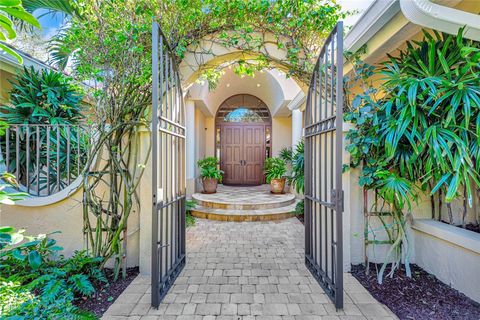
(38, 283)
(298, 165)
(42, 97)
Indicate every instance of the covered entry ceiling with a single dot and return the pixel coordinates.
(271, 86)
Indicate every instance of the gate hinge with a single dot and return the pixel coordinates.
(338, 199)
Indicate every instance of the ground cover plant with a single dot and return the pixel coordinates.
(417, 132)
(38, 282)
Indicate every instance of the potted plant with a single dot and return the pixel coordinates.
(210, 174)
(275, 170)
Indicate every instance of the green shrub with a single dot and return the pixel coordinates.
(286, 154)
(300, 207)
(275, 168)
(209, 168)
(298, 166)
(40, 283)
(189, 219)
(42, 97)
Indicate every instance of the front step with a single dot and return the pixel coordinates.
(244, 215)
(254, 201)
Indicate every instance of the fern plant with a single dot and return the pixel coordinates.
(298, 166)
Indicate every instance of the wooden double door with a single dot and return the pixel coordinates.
(242, 153)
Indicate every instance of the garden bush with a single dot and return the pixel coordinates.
(38, 282)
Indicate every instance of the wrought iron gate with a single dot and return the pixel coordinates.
(168, 168)
(323, 169)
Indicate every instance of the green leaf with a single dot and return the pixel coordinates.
(22, 15)
(34, 259)
(11, 52)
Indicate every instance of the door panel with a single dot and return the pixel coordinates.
(242, 153)
(231, 154)
(254, 150)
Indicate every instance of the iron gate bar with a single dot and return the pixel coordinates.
(168, 169)
(323, 169)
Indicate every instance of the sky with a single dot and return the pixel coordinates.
(50, 23)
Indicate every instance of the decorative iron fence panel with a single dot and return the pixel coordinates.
(168, 169)
(323, 169)
(45, 158)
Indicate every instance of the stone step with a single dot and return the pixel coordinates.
(253, 201)
(241, 215)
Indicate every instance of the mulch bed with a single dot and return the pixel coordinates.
(421, 297)
(301, 218)
(474, 228)
(106, 294)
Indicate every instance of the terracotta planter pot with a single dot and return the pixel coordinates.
(209, 185)
(277, 185)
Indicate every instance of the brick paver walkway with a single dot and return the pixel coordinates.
(249, 270)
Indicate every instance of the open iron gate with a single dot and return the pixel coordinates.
(168, 168)
(323, 169)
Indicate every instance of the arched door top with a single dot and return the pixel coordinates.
(243, 108)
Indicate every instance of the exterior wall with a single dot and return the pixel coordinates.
(450, 253)
(65, 216)
(210, 137)
(5, 85)
(200, 143)
(281, 134)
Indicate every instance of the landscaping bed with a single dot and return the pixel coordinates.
(106, 294)
(421, 297)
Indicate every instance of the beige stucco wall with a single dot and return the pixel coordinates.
(5, 85)
(451, 254)
(281, 134)
(200, 142)
(65, 216)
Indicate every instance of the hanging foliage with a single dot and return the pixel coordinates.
(256, 29)
(420, 128)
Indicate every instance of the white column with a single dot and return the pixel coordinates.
(297, 127)
(190, 142)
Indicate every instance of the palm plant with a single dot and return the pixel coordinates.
(44, 98)
(298, 166)
(59, 54)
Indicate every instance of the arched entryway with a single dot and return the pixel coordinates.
(243, 131)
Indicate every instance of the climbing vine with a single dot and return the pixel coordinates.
(419, 130)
